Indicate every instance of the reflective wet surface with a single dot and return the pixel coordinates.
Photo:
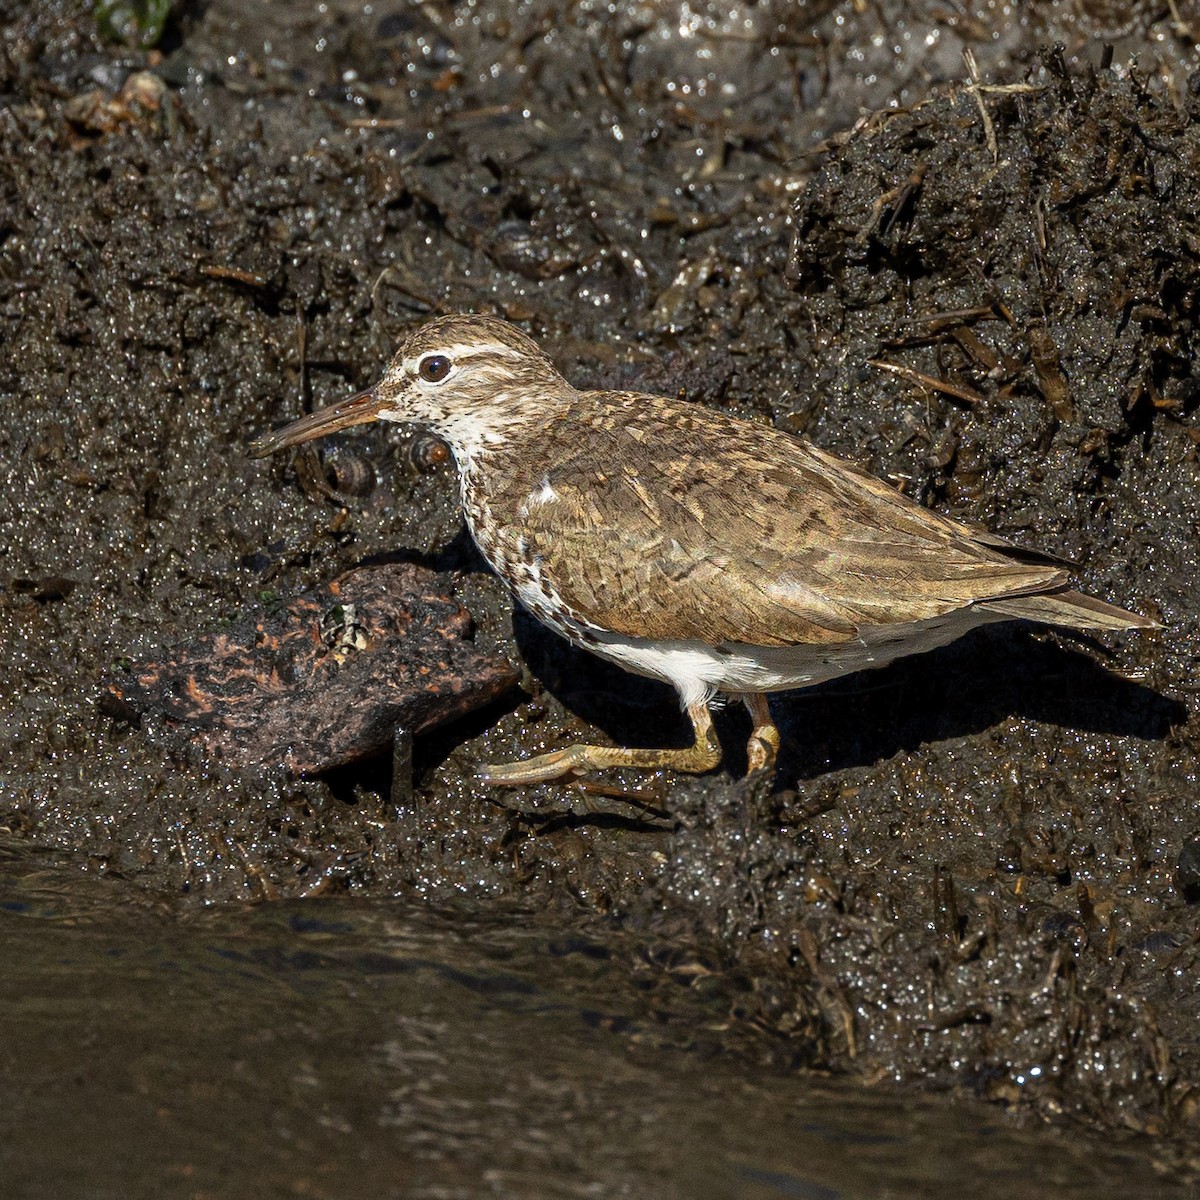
(341, 1048)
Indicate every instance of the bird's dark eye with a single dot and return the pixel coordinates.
(433, 368)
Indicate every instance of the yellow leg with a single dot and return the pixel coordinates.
(764, 737)
(702, 755)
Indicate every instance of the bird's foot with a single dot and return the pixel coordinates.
(578, 760)
(763, 745)
(762, 749)
(702, 755)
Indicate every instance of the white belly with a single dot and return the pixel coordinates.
(697, 671)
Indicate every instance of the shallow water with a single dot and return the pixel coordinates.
(337, 1047)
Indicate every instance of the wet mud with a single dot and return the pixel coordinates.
(975, 871)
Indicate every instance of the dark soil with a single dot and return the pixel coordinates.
(976, 870)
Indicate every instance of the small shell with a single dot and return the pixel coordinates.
(347, 472)
(427, 453)
(334, 474)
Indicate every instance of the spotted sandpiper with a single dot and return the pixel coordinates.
(715, 554)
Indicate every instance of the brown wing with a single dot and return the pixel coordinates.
(699, 526)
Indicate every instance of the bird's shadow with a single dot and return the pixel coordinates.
(975, 683)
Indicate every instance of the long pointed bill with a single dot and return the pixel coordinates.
(354, 410)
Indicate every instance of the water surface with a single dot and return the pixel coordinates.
(337, 1048)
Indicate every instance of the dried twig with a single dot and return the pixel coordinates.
(974, 88)
(966, 395)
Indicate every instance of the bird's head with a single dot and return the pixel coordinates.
(471, 380)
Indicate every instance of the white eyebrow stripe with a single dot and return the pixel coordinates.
(460, 350)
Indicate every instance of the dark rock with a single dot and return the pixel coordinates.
(327, 679)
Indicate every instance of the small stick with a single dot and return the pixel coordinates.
(966, 395)
(973, 88)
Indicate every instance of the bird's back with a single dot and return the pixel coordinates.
(655, 518)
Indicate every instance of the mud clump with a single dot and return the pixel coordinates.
(326, 681)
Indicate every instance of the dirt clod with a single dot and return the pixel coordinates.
(326, 680)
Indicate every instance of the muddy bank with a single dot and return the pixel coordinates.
(969, 873)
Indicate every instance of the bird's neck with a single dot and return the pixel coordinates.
(509, 418)
(493, 455)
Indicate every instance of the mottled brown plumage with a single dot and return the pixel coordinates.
(710, 552)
